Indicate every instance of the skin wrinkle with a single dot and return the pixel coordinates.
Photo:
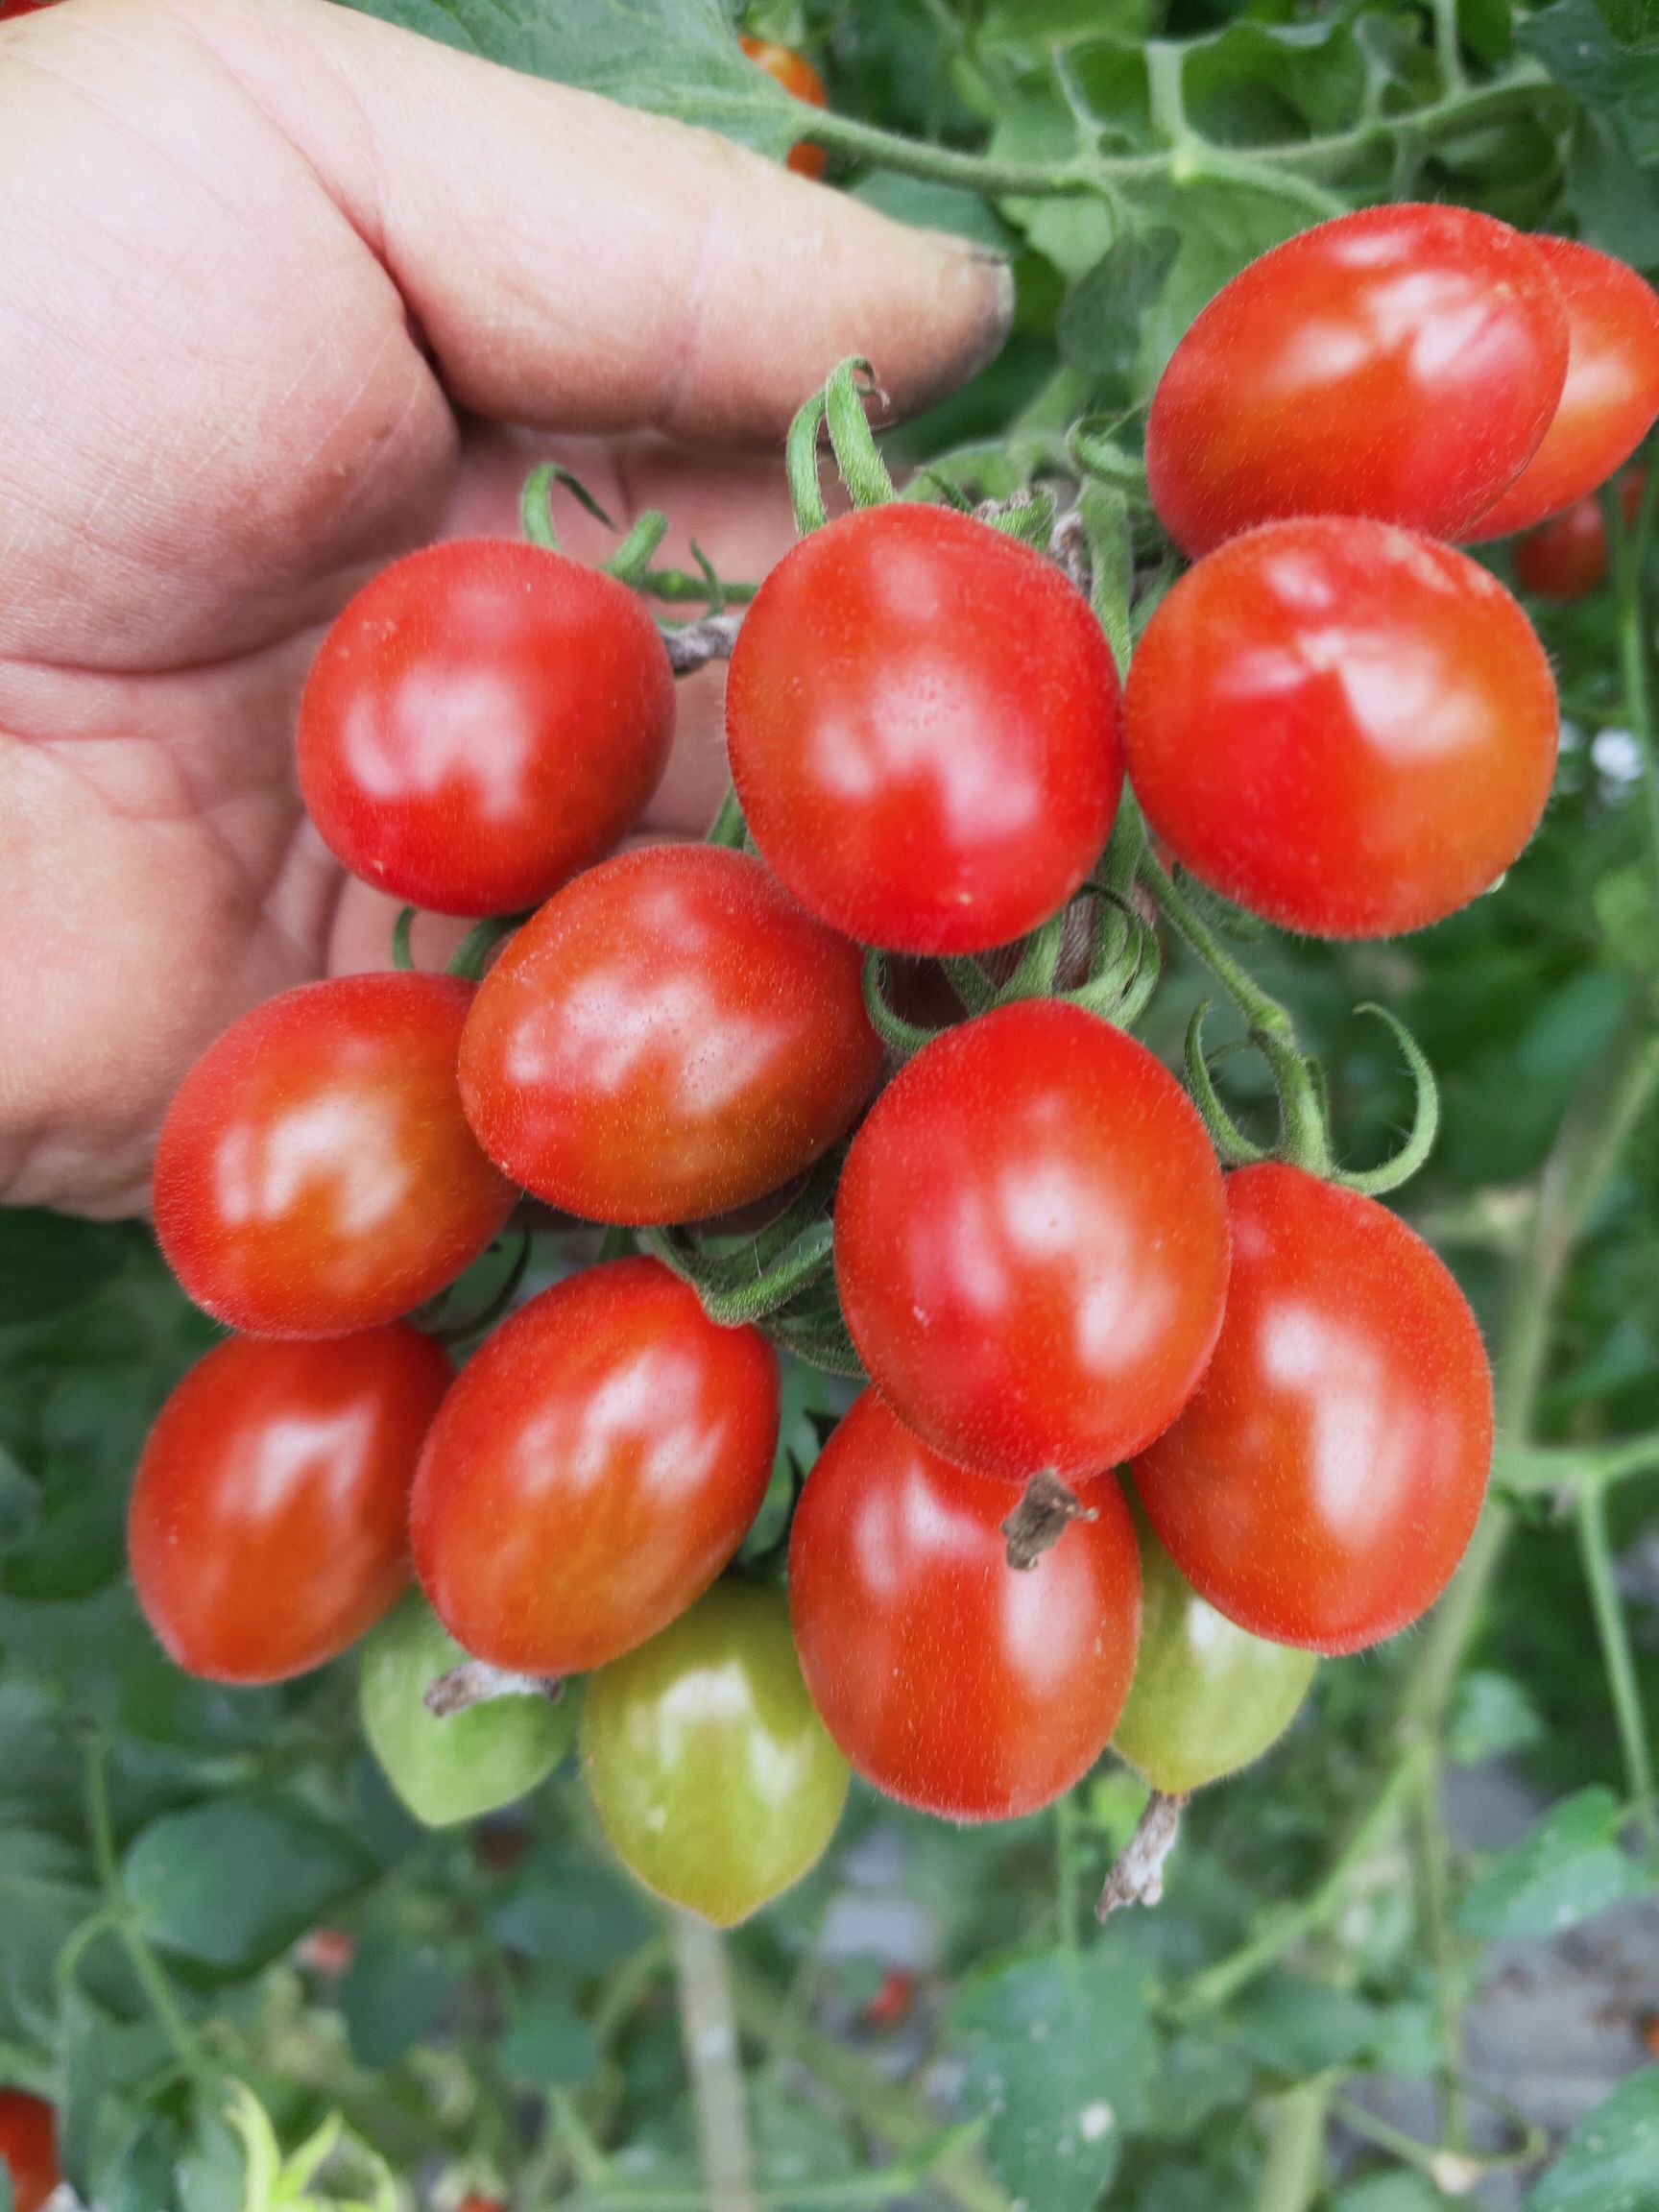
(223, 421)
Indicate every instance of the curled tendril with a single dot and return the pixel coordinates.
(1225, 1134)
(536, 503)
(402, 953)
(1373, 1182)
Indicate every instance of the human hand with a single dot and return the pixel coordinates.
(274, 279)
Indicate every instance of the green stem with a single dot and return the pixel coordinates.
(1281, 169)
(885, 2108)
(1295, 2166)
(1434, 1884)
(1286, 1929)
(187, 2048)
(708, 2028)
(1614, 1631)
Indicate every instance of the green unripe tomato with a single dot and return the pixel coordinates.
(712, 1774)
(1207, 1697)
(473, 1762)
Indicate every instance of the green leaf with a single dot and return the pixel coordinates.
(674, 56)
(391, 1997)
(1611, 2161)
(1615, 202)
(935, 207)
(1572, 41)
(1632, 22)
(1099, 324)
(572, 1914)
(49, 1261)
(44, 1896)
(1399, 2192)
(234, 1884)
(548, 2042)
(1493, 1716)
(19, 1501)
(1570, 1869)
(1059, 2053)
(1293, 2027)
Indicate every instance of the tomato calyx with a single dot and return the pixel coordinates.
(756, 1280)
(1047, 1510)
(688, 646)
(1136, 1876)
(475, 1682)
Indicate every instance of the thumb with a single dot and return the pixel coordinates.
(574, 264)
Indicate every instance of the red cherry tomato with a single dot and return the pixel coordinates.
(315, 1173)
(484, 720)
(1401, 363)
(1322, 1484)
(950, 1680)
(596, 1465)
(1346, 729)
(267, 1528)
(27, 2148)
(1032, 1243)
(1566, 557)
(1612, 391)
(669, 1038)
(483, 2204)
(923, 724)
(891, 2005)
(8, 9)
(802, 82)
(326, 1951)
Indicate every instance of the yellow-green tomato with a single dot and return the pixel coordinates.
(714, 1776)
(470, 1763)
(1207, 1697)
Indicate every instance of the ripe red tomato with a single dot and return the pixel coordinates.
(802, 82)
(27, 2148)
(596, 1465)
(893, 2000)
(267, 1526)
(315, 1173)
(1346, 729)
(7, 8)
(1612, 391)
(483, 2204)
(1566, 557)
(669, 1038)
(484, 720)
(1401, 363)
(923, 724)
(1322, 1484)
(952, 1680)
(1032, 1243)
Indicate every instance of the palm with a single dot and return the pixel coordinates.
(196, 469)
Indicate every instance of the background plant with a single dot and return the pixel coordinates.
(510, 2017)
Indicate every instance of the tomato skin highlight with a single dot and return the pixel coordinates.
(1323, 1484)
(599, 1460)
(267, 1526)
(1032, 1243)
(669, 1038)
(484, 720)
(1612, 391)
(315, 1173)
(1401, 363)
(952, 1681)
(1350, 731)
(1207, 1697)
(922, 723)
(712, 1775)
(29, 2148)
(802, 82)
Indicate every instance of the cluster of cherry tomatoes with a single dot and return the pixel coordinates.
(1036, 1262)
